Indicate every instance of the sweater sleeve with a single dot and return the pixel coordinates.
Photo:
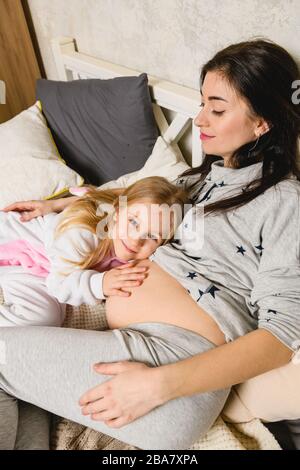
(66, 282)
(276, 289)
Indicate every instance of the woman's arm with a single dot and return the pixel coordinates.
(136, 389)
(31, 209)
(227, 365)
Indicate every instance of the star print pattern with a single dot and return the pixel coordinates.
(260, 248)
(192, 275)
(241, 250)
(224, 269)
(208, 195)
(210, 290)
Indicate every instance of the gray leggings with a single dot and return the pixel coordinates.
(51, 368)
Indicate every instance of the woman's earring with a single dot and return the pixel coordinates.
(252, 148)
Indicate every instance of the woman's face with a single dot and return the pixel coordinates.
(225, 119)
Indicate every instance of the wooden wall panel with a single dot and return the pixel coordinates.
(18, 64)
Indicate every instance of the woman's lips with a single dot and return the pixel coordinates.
(205, 136)
(127, 248)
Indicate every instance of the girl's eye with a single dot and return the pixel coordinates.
(153, 237)
(133, 222)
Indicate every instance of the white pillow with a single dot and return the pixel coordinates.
(165, 160)
(30, 165)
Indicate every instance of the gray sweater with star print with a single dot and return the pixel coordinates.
(246, 273)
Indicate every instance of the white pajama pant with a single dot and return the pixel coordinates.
(26, 300)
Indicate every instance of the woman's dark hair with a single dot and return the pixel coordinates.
(263, 73)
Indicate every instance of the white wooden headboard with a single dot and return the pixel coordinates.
(181, 102)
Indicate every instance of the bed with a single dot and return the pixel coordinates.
(174, 108)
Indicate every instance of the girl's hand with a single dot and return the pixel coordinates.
(31, 209)
(134, 390)
(118, 280)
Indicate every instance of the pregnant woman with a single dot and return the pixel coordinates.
(209, 315)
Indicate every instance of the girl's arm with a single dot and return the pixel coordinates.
(136, 389)
(69, 283)
(31, 209)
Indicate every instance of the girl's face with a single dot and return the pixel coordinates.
(139, 230)
(225, 120)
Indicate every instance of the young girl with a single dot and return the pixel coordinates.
(80, 256)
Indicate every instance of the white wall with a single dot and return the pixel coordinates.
(166, 38)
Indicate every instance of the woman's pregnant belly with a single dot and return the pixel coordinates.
(161, 298)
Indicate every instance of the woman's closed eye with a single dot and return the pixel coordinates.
(214, 111)
(218, 113)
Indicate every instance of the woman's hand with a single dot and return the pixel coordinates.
(134, 390)
(118, 280)
(31, 209)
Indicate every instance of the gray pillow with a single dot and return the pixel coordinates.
(102, 128)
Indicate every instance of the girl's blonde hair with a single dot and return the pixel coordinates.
(84, 211)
